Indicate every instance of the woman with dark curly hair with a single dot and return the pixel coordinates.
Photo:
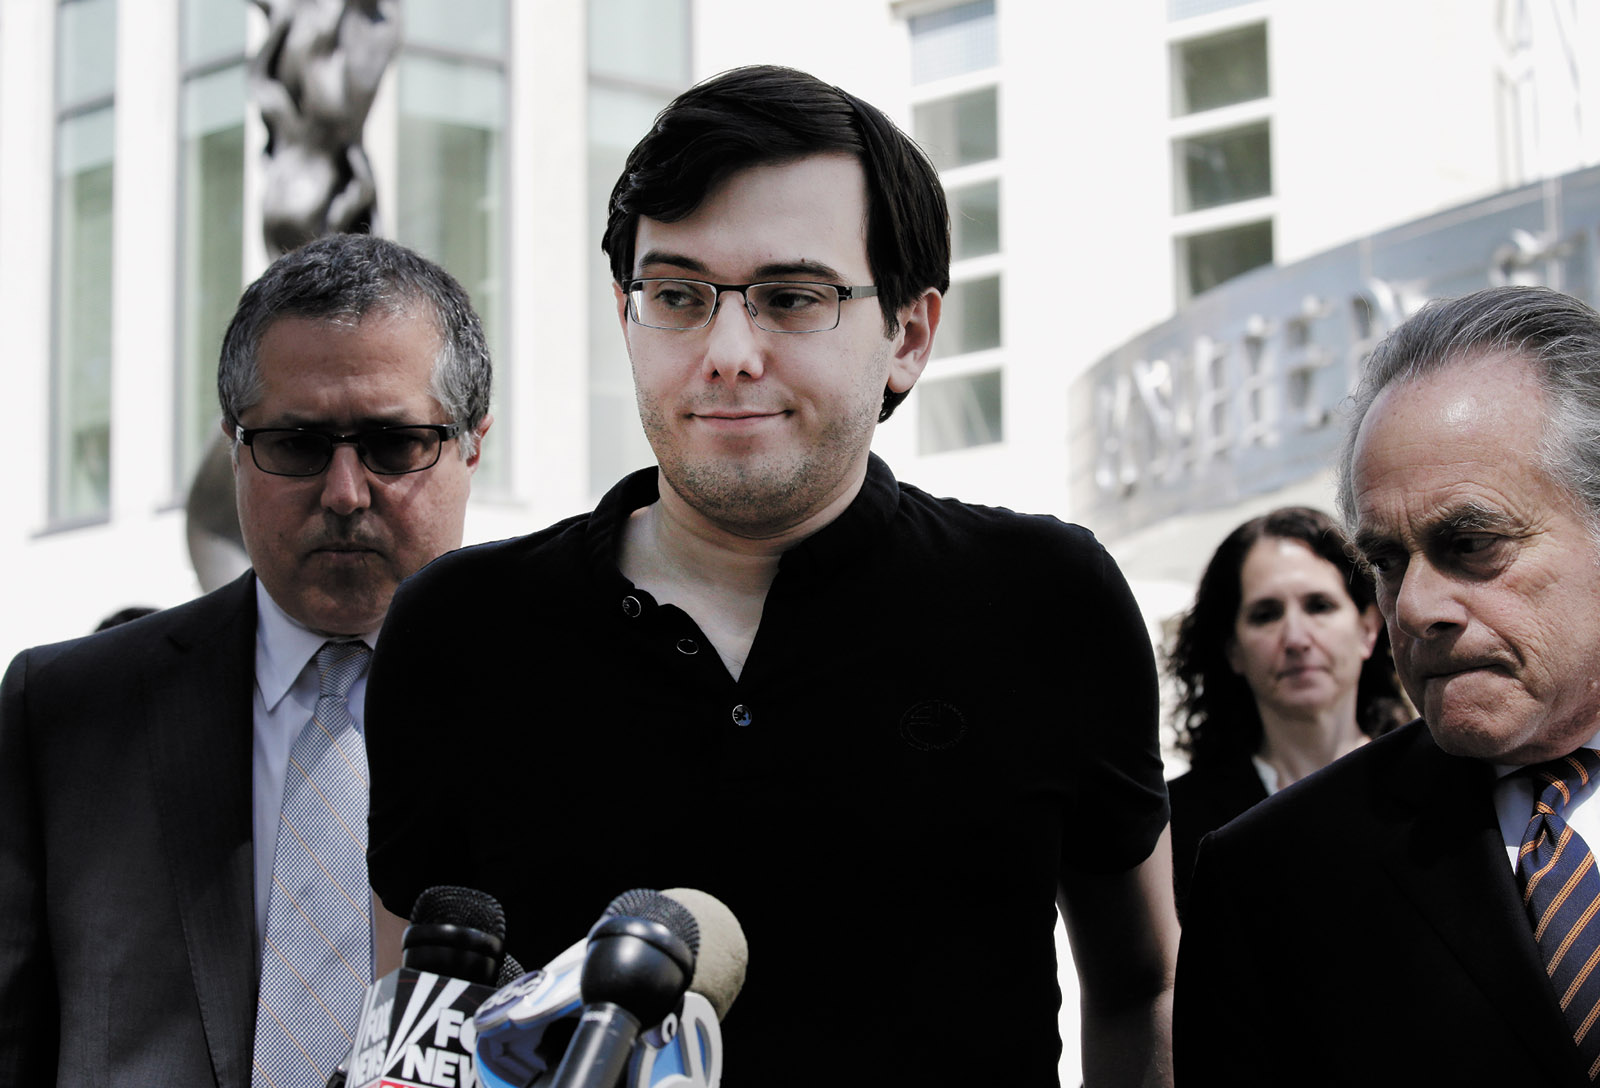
(1284, 667)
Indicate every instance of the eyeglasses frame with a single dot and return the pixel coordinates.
(846, 294)
(247, 436)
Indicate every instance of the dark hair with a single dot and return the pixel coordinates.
(764, 114)
(1217, 715)
(347, 276)
(1556, 334)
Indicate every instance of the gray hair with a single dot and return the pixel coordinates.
(348, 276)
(1555, 334)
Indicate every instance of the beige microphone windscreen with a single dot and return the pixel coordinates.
(724, 953)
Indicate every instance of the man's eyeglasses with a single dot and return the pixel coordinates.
(388, 451)
(785, 306)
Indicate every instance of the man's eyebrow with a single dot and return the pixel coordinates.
(676, 260)
(1469, 516)
(1365, 541)
(366, 422)
(816, 270)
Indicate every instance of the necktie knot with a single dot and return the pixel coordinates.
(1559, 779)
(338, 665)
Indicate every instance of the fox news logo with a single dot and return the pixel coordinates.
(429, 1045)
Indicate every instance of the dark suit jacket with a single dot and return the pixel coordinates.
(1203, 800)
(127, 926)
(1363, 927)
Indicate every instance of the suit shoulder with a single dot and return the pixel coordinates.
(210, 615)
(493, 571)
(93, 677)
(1350, 791)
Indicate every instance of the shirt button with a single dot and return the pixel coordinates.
(741, 715)
(631, 607)
(688, 646)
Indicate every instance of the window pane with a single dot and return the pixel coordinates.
(960, 130)
(1221, 255)
(617, 119)
(212, 257)
(87, 51)
(212, 30)
(975, 220)
(1224, 167)
(471, 26)
(80, 483)
(953, 41)
(971, 318)
(640, 42)
(959, 413)
(449, 201)
(1220, 70)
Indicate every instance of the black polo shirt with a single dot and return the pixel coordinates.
(944, 706)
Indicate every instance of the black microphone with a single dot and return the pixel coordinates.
(416, 1023)
(524, 1031)
(639, 961)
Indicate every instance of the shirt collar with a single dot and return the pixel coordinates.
(1503, 769)
(283, 646)
(840, 541)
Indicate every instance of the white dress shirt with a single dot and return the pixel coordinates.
(285, 696)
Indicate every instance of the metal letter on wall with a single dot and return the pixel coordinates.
(1239, 394)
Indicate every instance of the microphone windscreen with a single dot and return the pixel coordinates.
(724, 956)
(447, 904)
(654, 906)
(510, 970)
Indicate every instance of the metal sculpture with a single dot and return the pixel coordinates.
(314, 80)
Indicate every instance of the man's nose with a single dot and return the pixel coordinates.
(1427, 602)
(345, 484)
(733, 342)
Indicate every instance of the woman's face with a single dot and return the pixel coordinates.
(1298, 640)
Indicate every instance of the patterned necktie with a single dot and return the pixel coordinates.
(1561, 891)
(316, 957)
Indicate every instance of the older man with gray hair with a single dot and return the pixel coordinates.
(1423, 911)
(183, 890)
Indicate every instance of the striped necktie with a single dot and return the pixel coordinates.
(1561, 891)
(316, 957)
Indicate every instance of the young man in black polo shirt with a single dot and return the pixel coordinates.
(891, 732)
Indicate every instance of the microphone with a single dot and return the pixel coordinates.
(416, 1022)
(673, 1041)
(640, 959)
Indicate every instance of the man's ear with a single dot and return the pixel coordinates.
(918, 322)
(233, 445)
(477, 449)
(622, 305)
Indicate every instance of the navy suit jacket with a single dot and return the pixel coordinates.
(1364, 927)
(127, 925)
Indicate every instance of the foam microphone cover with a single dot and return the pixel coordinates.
(724, 954)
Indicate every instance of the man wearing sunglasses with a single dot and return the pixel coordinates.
(183, 896)
(890, 731)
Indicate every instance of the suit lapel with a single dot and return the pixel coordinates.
(1450, 861)
(200, 753)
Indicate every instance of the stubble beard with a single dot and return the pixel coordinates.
(764, 494)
